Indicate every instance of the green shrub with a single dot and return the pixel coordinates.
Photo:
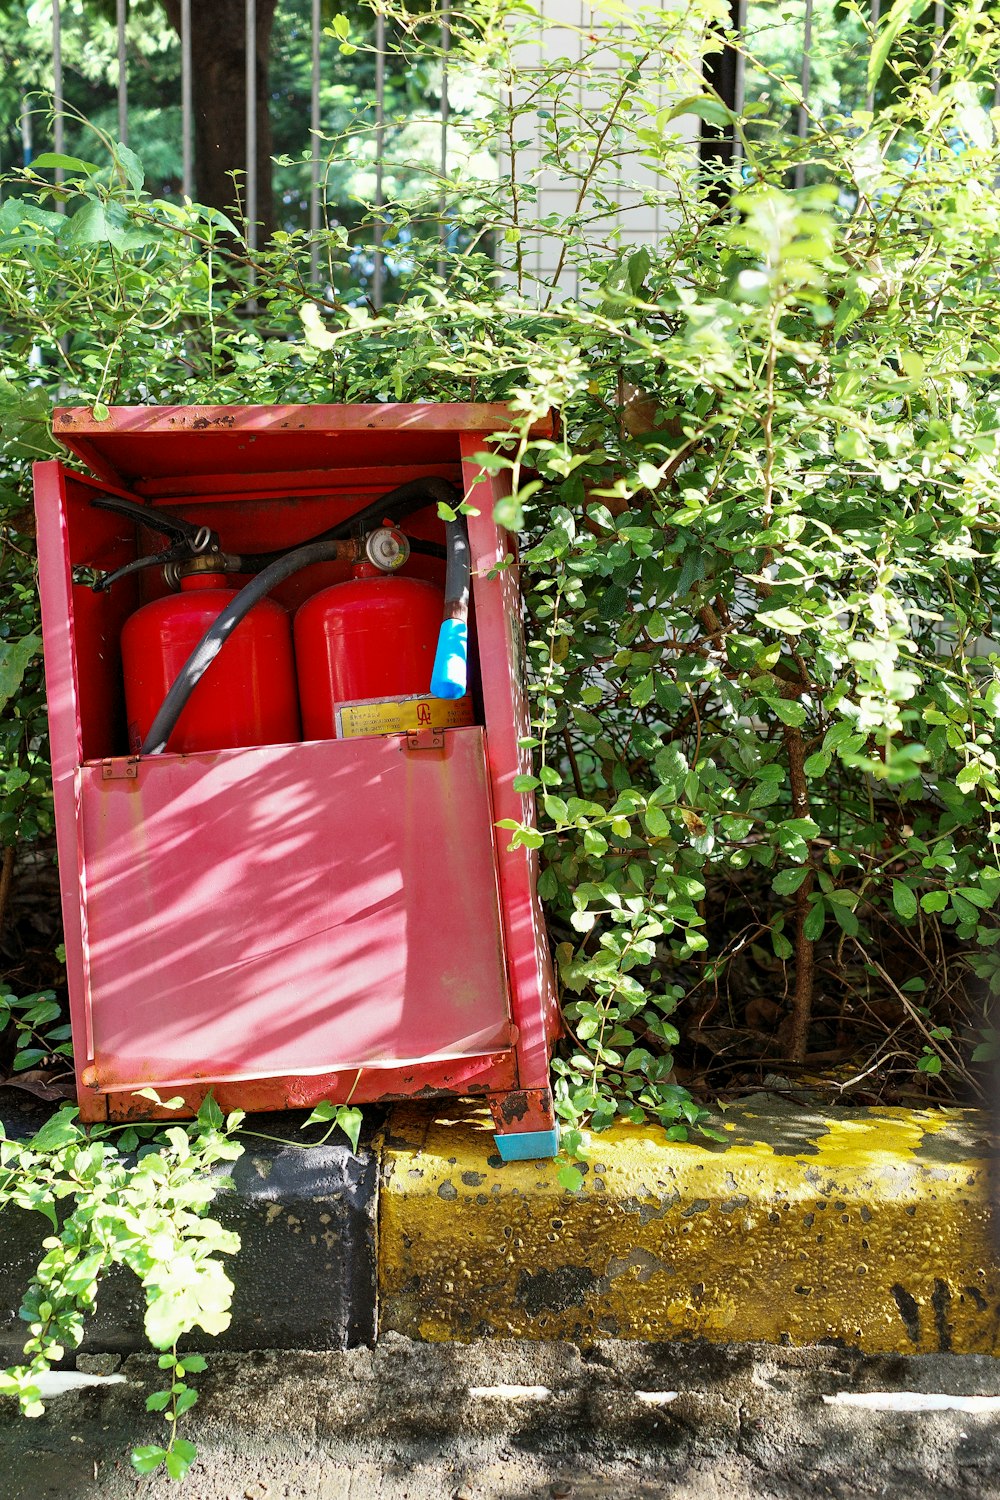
(758, 557)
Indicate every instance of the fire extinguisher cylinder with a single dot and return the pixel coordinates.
(207, 647)
(248, 698)
(372, 637)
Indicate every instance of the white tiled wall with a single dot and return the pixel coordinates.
(633, 219)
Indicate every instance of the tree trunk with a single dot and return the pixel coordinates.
(218, 69)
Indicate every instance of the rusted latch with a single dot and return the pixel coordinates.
(425, 739)
(120, 767)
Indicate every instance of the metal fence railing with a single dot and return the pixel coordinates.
(727, 71)
(322, 54)
(732, 71)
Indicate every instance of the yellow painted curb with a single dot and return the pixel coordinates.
(869, 1227)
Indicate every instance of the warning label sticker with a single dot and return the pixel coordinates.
(401, 715)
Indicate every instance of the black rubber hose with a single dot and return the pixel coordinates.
(458, 572)
(215, 637)
(450, 673)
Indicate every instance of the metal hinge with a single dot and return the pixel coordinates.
(120, 767)
(425, 739)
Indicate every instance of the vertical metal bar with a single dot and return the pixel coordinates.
(27, 137)
(314, 125)
(122, 74)
(187, 113)
(378, 267)
(725, 72)
(939, 28)
(802, 124)
(873, 19)
(445, 116)
(58, 124)
(250, 45)
(740, 80)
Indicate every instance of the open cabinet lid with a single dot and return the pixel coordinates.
(195, 444)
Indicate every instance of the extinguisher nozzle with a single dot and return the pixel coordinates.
(450, 676)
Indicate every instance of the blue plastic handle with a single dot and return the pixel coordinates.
(450, 676)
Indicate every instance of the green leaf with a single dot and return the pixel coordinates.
(349, 1118)
(317, 336)
(787, 881)
(158, 1401)
(89, 225)
(145, 1460)
(788, 710)
(846, 918)
(322, 1114)
(27, 1058)
(983, 899)
(570, 1178)
(657, 822)
(782, 619)
(612, 603)
(638, 267)
(210, 1113)
(812, 927)
(14, 659)
(131, 166)
(707, 107)
(934, 901)
(900, 15)
(180, 1457)
(904, 900)
(50, 160)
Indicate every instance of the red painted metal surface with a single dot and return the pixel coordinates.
(372, 637)
(247, 696)
(292, 912)
(140, 443)
(500, 637)
(292, 922)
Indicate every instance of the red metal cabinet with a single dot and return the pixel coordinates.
(290, 923)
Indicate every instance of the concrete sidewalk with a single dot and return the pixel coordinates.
(507, 1421)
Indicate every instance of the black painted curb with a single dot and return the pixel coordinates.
(305, 1277)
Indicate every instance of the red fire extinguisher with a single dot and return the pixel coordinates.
(372, 637)
(249, 698)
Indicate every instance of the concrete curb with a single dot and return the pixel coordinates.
(864, 1228)
(867, 1228)
(304, 1277)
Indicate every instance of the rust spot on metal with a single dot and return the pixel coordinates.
(514, 1107)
